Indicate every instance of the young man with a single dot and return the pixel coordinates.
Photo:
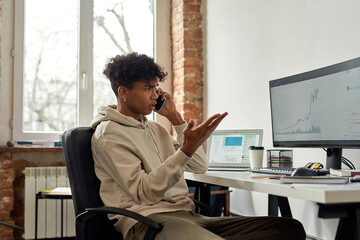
(141, 166)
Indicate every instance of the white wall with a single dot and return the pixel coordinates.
(248, 43)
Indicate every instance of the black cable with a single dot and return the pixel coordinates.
(347, 164)
(351, 165)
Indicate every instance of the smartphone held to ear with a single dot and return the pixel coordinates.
(159, 103)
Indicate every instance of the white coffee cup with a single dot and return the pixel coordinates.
(256, 156)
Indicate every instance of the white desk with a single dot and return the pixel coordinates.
(336, 193)
(335, 201)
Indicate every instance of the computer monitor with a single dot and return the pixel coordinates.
(319, 109)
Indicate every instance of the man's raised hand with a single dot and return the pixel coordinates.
(194, 137)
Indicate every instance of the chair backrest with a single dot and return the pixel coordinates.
(84, 183)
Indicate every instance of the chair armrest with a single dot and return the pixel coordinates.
(153, 227)
(112, 210)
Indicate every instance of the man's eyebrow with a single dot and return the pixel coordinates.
(152, 86)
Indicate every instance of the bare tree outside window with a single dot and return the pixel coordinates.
(49, 87)
(120, 27)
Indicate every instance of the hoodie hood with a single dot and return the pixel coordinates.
(109, 113)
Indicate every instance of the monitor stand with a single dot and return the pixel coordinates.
(333, 158)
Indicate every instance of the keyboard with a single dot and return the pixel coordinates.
(274, 170)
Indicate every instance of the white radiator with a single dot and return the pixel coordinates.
(49, 217)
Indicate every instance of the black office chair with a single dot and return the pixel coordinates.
(91, 215)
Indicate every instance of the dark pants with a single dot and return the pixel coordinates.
(188, 225)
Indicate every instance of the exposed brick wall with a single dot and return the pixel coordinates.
(7, 176)
(187, 62)
(12, 184)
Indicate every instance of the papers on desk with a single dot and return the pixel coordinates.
(59, 190)
(272, 176)
(314, 179)
(309, 185)
(345, 172)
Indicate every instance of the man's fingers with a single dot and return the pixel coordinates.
(213, 125)
(210, 119)
(190, 125)
(214, 120)
(163, 94)
(217, 120)
(208, 126)
(166, 95)
(195, 136)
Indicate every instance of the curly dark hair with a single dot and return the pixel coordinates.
(124, 70)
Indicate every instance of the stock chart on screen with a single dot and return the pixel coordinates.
(321, 108)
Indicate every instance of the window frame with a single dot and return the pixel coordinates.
(162, 55)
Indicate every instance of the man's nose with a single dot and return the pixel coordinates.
(155, 94)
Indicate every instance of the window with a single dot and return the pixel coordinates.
(61, 48)
(119, 28)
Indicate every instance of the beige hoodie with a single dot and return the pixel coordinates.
(141, 166)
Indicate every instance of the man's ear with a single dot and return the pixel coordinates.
(122, 93)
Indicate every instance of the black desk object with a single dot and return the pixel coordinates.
(56, 196)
